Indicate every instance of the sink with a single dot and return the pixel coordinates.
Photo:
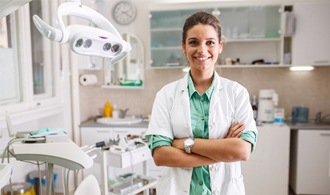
(118, 121)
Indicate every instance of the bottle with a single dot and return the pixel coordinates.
(254, 107)
(115, 112)
(107, 111)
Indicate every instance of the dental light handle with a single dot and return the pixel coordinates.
(46, 30)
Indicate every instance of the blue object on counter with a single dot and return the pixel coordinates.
(300, 114)
(46, 131)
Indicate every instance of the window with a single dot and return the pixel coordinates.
(29, 62)
(10, 83)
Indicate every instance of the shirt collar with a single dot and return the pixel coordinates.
(192, 90)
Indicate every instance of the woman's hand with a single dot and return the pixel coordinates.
(235, 130)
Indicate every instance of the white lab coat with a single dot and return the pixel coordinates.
(171, 117)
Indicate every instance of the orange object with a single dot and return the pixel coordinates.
(107, 111)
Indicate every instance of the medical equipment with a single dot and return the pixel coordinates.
(52, 147)
(103, 40)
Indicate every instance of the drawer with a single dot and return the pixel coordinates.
(129, 158)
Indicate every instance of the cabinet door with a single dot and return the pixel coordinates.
(166, 35)
(311, 42)
(93, 135)
(312, 163)
(267, 170)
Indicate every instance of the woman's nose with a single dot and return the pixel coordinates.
(201, 48)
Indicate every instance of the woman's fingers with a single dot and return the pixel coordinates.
(235, 130)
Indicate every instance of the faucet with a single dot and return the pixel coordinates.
(318, 117)
(122, 113)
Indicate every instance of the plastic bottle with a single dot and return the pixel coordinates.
(115, 112)
(107, 111)
(254, 107)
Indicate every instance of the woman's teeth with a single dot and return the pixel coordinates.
(201, 59)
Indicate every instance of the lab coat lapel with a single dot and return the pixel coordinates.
(215, 100)
(185, 103)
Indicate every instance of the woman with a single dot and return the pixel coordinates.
(192, 132)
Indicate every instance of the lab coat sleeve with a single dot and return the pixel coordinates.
(160, 116)
(243, 109)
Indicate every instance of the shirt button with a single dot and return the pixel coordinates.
(202, 118)
(201, 183)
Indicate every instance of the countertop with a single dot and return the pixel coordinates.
(309, 126)
(144, 124)
(93, 123)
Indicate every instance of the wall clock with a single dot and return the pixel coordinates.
(124, 12)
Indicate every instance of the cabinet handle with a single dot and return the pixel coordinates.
(325, 134)
(102, 131)
(321, 62)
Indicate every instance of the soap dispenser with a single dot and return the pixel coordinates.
(107, 111)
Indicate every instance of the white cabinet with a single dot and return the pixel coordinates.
(310, 162)
(311, 42)
(267, 170)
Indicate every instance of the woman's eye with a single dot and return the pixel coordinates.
(210, 42)
(192, 42)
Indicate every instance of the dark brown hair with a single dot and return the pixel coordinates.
(201, 18)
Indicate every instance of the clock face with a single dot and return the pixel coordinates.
(124, 12)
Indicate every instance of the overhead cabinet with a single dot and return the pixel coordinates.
(250, 34)
(311, 42)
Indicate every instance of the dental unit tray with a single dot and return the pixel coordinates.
(103, 40)
(56, 149)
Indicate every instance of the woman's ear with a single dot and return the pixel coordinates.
(221, 46)
(183, 48)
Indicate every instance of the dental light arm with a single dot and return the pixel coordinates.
(103, 40)
(46, 30)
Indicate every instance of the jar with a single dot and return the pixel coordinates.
(18, 189)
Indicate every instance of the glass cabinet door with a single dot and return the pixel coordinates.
(166, 37)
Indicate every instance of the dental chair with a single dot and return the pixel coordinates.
(89, 186)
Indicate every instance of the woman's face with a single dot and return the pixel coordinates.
(202, 47)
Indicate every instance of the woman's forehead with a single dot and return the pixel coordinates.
(202, 31)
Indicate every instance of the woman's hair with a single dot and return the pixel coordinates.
(201, 18)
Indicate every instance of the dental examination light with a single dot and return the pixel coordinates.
(103, 40)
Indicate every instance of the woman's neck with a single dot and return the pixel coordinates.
(202, 80)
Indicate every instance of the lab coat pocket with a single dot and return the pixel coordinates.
(235, 186)
(174, 181)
